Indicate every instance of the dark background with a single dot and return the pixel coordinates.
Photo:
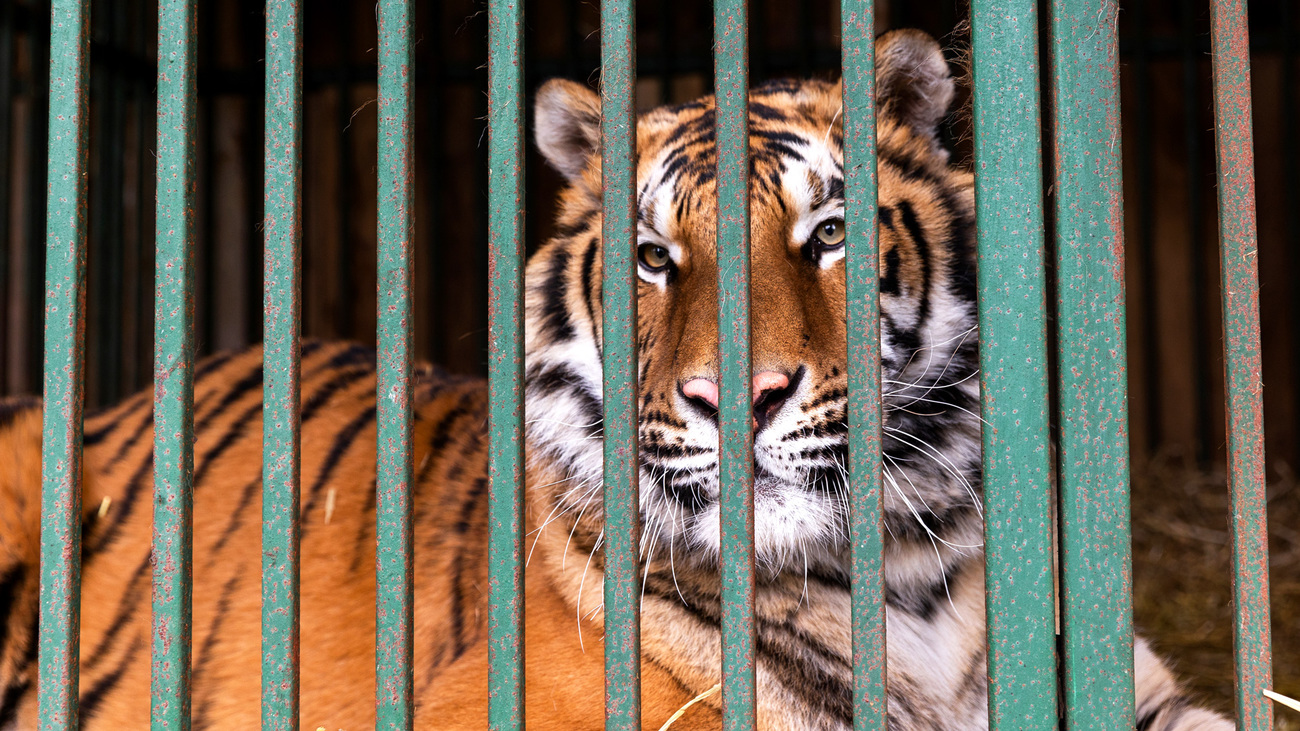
(1175, 337)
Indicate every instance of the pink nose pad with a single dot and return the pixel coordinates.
(702, 389)
(705, 390)
(765, 381)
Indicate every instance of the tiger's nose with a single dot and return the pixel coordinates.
(770, 391)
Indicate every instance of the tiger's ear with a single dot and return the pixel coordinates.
(913, 84)
(568, 125)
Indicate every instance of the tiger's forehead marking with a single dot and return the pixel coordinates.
(795, 160)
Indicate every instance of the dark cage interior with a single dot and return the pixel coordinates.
(1174, 322)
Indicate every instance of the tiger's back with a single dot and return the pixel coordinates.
(337, 584)
(338, 542)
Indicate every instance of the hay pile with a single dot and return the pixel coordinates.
(1183, 582)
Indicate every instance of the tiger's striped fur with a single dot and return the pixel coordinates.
(935, 623)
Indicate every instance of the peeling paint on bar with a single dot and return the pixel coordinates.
(65, 297)
(1013, 366)
(1096, 570)
(505, 365)
(282, 302)
(1238, 249)
(862, 280)
(735, 405)
(173, 386)
(394, 461)
(618, 337)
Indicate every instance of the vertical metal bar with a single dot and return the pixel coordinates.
(505, 365)
(1013, 366)
(394, 461)
(173, 387)
(1238, 249)
(65, 297)
(862, 282)
(735, 402)
(618, 337)
(281, 355)
(1096, 574)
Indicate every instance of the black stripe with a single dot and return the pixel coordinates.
(554, 290)
(352, 355)
(331, 387)
(126, 608)
(438, 442)
(228, 440)
(212, 363)
(11, 408)
(237, 391)
(473, 500)
(909, 168)
(566, 230)
(95, 436)
(920, 599)
(364, 525)
(561, 379)
(91, 699)
(588, 276)
(10, 700)
(803, 674)
(10, 584)
(342, 442)
(129, 442)
(123, 509)
(766, 112)
(236, 519)
(914, 230)
(204, 655)
(307, 348)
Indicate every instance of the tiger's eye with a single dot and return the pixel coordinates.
(654, 257)
(830, 234)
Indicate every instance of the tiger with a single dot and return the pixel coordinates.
(934, 571)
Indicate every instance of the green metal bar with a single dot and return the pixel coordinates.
(1096, 570)
(173, 387)
(735, 402)
(65, 298)
(394, 620)
(281, 355)
(862, 282)
(1238, 250)
(505, 365)
(621, 499)
(1013, 366)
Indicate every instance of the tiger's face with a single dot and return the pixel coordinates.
(798, 304)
